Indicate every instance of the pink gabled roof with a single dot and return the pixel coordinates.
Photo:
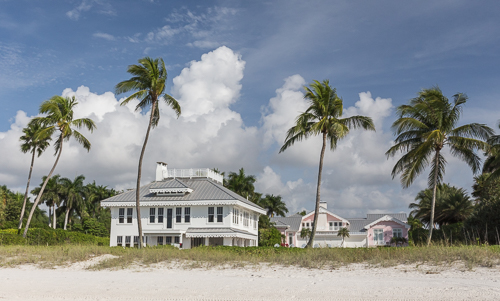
(386, 218)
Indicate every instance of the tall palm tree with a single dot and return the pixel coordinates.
(149, 81)
(73, 195)
(31, 142)
(274, 205)
(323, 117)
(492, 163)
(51, 195)
(343, 232)
(241, 183)
(59, 119)
(94, 194)
(423, 128)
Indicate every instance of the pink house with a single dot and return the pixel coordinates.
(374, 230)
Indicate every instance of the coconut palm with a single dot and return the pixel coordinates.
(51, 195)
(424, 127)
(149, 81)
(72, 192)
(323, 117)
(241, 183)
(59, 119)
(305, 233)
(492, 163)
(94, 194)
(453, 205)
(274, 205)
(33, 143)
(343, 232)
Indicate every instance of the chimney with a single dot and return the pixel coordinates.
(161, 171)
(323, 204)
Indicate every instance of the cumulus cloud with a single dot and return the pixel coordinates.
(206, 137)
(105, 36)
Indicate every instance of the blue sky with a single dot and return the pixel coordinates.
(391, 49)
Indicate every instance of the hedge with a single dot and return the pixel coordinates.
(50, 238)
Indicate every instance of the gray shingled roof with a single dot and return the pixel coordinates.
(358, 224)
(203, 189)
(293, 221)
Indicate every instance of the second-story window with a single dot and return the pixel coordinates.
(256, 220)
(160, 215)
(187, 214)
(178, 215)
(210, 214)
(129, 215)
(152, 215)
(121, 215)
(219, 214)
(235, 215)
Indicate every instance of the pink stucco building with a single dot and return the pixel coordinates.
(374, 230)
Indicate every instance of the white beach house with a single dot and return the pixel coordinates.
(187, 208)
(374, 230)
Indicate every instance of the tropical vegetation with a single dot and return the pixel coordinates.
(149, 81)
(323, 117)
(424, 127)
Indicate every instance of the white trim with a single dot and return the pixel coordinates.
(387, 218)
(170, 191)
(184, 203)
(327, 212)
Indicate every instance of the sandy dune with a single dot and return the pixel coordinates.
(170, 282)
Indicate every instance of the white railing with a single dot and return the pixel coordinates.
(195, 173)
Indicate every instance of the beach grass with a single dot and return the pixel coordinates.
(234, 257)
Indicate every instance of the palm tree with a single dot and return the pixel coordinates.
(423, 128)
(492, 163)
(453, 205)
(323, 117)
(94, 194)
(51, 195)
(31, 142)
(73, 195)
(343, 232)
(274, 205)
(59, 119)
(241, 183)
(149, 81)
(305, 233)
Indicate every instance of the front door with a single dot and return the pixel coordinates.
(169, 218)
(378, 236)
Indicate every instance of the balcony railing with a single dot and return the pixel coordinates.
(195, 173)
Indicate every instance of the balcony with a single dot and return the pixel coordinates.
(195, 173)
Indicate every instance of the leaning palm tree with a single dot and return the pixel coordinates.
(424, 127)
(323, 117)
(31, 142)
(59, 119)
(149, 80)
(73, 195)
(343, 232)
(274, 205)
(51, 195)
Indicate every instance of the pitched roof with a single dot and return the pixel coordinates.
(203, 189)
(400, 216)
(292, 221)
(359, 224)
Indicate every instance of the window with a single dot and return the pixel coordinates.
(168, 240)
(136, 240)
(210, 214)
(129, 215)
(119, 240)
(256, 221)
(187, 214)
(245, 219)
(219, 214)
(152, 213)
(176, 239)
(127, 241)
(160, 215)
(331, 226)
(160, 240)
(290, 239)
(235, 215)
(178, 215)
(336, 226)
(307, 225)
(169, 218)
(397, 232)
(303, 225)
(121, 215)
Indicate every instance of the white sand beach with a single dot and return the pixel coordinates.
(171, 282)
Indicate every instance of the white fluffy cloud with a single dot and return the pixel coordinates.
(356, 176)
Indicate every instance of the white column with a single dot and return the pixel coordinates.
(206, 241)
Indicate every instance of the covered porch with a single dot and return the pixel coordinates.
(196, 237)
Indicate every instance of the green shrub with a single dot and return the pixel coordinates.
(44, 237)
(269, 237)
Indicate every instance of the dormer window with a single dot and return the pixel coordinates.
(170, 191)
